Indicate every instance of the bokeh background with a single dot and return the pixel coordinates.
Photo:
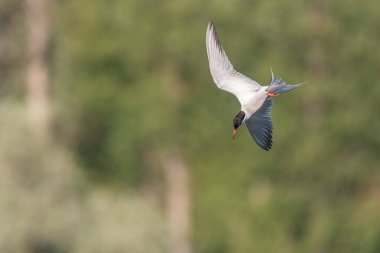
(113, 137)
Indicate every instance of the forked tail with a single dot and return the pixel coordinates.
(277, 85)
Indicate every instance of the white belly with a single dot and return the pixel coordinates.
(254, 103)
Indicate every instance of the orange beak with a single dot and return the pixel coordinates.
(234, 133)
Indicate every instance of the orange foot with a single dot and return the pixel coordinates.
(272, 94)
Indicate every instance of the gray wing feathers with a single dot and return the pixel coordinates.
(260, 125)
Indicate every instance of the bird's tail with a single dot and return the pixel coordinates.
(277, 85)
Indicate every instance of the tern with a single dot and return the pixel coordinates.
(255, 99)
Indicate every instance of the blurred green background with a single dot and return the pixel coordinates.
(121, 142)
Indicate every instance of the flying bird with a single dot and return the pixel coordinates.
(254, 98)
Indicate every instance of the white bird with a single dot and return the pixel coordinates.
(254, 99)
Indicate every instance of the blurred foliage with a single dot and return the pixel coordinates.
(12, 42)
(130, 84)
(45, 205)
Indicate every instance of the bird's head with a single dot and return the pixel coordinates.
(237, 121)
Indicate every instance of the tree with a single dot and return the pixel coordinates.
(37, 102)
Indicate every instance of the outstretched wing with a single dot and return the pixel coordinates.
(260, 125)
(222, 71)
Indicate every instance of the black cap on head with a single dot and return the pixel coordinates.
(238, 120)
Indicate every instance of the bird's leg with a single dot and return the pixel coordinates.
(272, 94)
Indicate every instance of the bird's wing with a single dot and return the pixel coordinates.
(260, 125)
(222, 71)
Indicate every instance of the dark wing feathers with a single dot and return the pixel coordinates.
(260, 125)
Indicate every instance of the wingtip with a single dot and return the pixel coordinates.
(267, 143)
(210, 25)
(267, 146)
